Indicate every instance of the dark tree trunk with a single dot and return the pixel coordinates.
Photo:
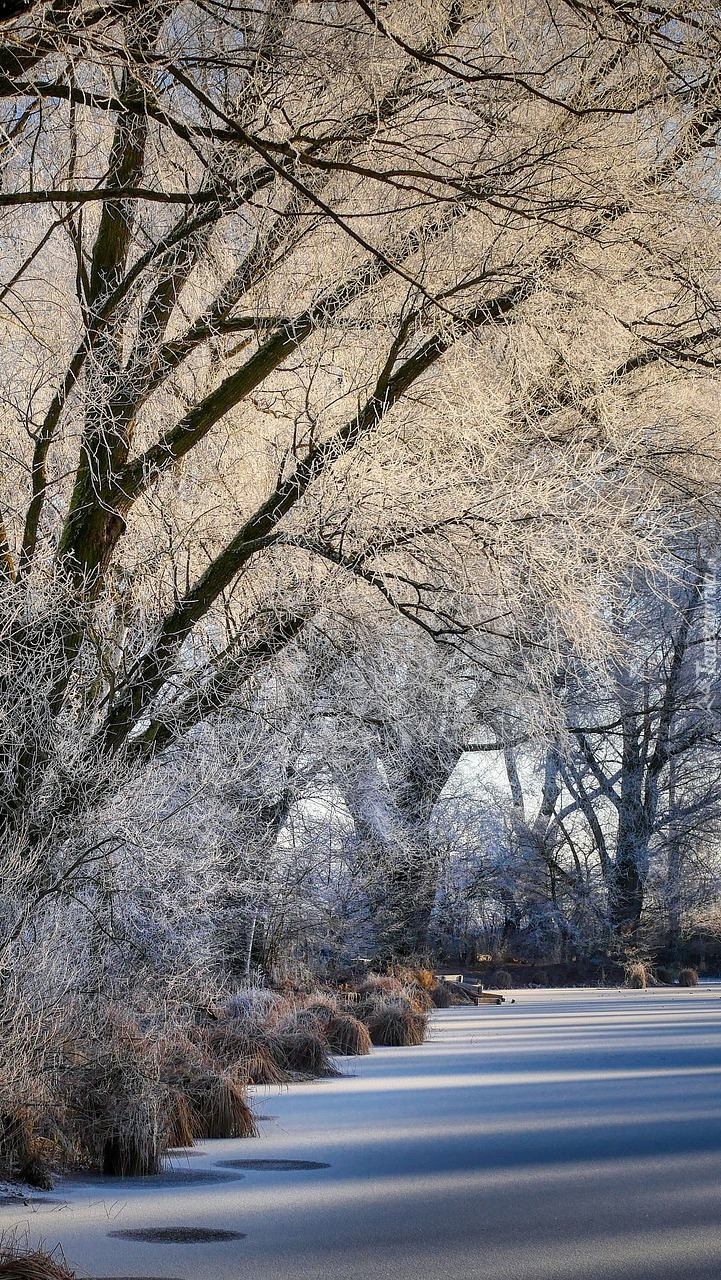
(628, 887)
(393, 829)
(675, 863)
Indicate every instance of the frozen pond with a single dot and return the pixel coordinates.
(574, 1135)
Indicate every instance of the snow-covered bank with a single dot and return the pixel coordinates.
(575, 1135)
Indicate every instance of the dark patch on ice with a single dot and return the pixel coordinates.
(30, 1202)
(275, 1166)
(168, 1178)
(186, 1151)
(177, 1235)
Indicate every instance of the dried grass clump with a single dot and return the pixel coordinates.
(425, 979)
(348, 1036)
(268, 1039)
(442, 996)
(253, 1006)
(206, 1081)
(130, 1125)
(422, 988)
(228, 1043)
(379, 985)
(181, 1123)
(21, 1264)
(316, 1013)
(246, 1051)
(400, 985)
(263, 1065)
(218, 1107)
(117, 1104)
(134, 1152)
(24, 1156)
(499, 980)
(394, 1022)
(688, 978)
(258, 1055)
(420, 999)
(637, 976)
(303, 1051)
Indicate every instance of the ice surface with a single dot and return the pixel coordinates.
(575, 1135)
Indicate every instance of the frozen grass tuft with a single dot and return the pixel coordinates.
(442, 996)
(637, 975)
(180, 1129)
(424, 978)
(393, 1021)
(304, 1052)
(246, 1051)
(19, 1262)
(380, 984)
(688, 978)
(24, 1157)
(261, 1066)
(254, 1006)
(218, 1106)
(116, 1104)
(348, 1036)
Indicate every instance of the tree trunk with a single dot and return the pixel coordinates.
(675, 861)
(629, 874)
(393, 826)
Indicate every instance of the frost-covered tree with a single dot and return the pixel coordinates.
(644, 771)
(311, 310)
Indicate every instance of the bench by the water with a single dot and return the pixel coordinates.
(472, 991)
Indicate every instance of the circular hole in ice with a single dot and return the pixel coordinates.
(168, 1178)
(177, 1235)
(274, 1166)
